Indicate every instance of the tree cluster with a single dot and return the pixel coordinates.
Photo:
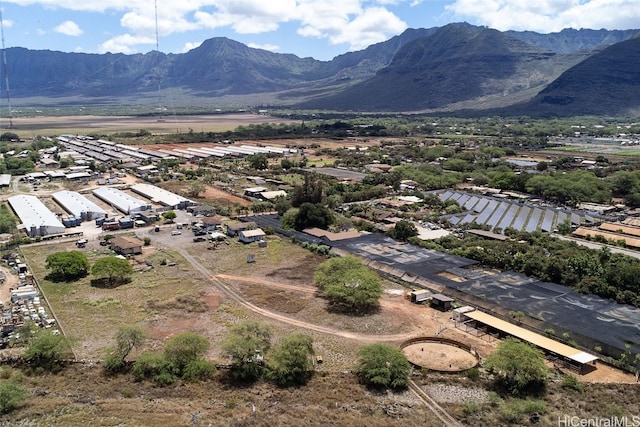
(182, 358)
(248, 346)
(600, 272)
(67, 266)
(109, 271)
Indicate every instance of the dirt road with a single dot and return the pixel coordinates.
(229, 292)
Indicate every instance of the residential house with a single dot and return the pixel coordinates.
(235, 227)
(126, 245)
(248, 236)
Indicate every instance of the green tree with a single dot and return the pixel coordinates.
(127, 338)
(291, 363)
(9, 136)
(345, 281)
(258, 161)
(46, 350)
(11, 395)
(184, 349)
(403, 230)
(517, 366)
(7, 220)
(313, 215)
(113, 270)
(382, 366)
(169, 215)
(288, 219)
(67, 266)
(309, 192)
(246, 345)
(196, 188)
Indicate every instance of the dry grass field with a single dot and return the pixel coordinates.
(27, 127)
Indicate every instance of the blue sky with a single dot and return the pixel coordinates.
(318, 28)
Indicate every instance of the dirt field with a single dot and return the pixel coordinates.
(11, 281)
(211, 194)
(439, 357)
(27, 127)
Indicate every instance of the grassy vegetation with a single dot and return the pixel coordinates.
(92, 315)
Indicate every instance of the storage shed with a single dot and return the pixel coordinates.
(441, 302)
(421, 295)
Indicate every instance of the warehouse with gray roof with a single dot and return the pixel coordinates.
(78, 205)
(162, 196)
(120, 200)
(34, 216)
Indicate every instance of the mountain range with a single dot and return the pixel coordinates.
(454, 68)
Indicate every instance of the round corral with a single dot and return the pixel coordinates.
(440, 354)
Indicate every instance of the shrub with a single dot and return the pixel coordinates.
(473, 374)
(113, 363)
(471, 408)
(11, 394)
(149, 366)
(198, 370)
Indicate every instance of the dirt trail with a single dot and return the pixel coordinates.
(226, 290)
(309, 290)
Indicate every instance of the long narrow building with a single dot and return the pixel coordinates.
(121, 200)
(162, 196)
(78, 205)
(35, 217)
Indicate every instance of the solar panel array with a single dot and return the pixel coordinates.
(497, 214)
(532, 224)
(509, 216)
(521, 219)
(501, 214)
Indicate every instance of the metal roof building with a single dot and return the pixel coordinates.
(5, 180)
(121, 200)
(162, 196)
(34, 216)
(78, 205)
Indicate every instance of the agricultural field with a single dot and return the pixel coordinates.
(27, 127)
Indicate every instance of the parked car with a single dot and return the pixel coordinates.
(176, 232)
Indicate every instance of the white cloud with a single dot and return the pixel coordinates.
(125, 43)
(69, 28)
(372, 26)
(347, 22)
(549, 15)
(190, 46)
(267, 46)
(353, 22)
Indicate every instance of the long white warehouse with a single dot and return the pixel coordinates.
(78, 205)
(162, 196)
(34, 216)
(121, 200)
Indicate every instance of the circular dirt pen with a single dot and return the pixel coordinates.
(440, 354)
